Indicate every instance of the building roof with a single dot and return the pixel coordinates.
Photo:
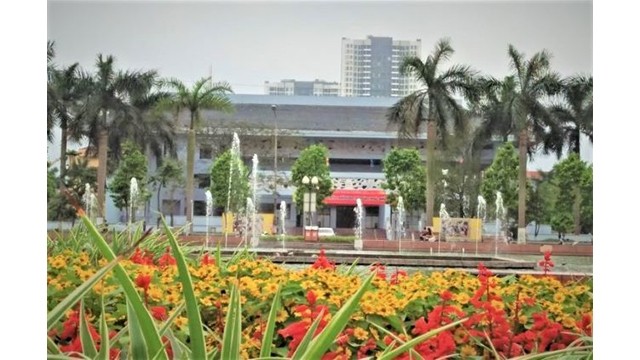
(312, 113)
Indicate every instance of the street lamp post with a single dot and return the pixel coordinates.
(309, 206)
(275, 168)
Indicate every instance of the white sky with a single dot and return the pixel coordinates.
(247, 43)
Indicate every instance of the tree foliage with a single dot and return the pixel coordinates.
(436, 104)
(502, 175)
(313, 161)
(77, 176)
(133, 164)
(230, 168)
(169, 174)
(574, 179)
(405, 176)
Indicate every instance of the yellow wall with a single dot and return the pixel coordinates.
(265, 219)
(475, 228)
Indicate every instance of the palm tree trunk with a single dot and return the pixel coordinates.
(431, 171)
(522, 185)
(63, 151)
(191, 148)
(102, 171)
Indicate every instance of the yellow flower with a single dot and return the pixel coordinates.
(558, 297)
(58, 262)
(232, 268)
(360, 333)
(180, 321)
(462, 298)
(467, 351)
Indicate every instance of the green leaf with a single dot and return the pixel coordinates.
(352, 267)
(417, 340)
(167, 324)
(138, 346)
(57, 312)
(306, 340)
(267, 338)
(105, 346)
(148, 328)
(338, 322)
(233, 328)
(52, 347)
(88, 346)
(196, 333)
(180, 349)
(414, 354)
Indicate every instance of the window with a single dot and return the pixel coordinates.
(199, 208)
(202, 181)
(206, 152)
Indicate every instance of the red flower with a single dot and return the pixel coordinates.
(379, 269)
(207, 261)
(143, 259)
(166, 259)
(420, 327)
(395, 278)
(143, 281)
(311, 298)
(322, 262)
(446, 295)
(159, 313)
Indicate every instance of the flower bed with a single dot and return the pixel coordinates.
(509, 316)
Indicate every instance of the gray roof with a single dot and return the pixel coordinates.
(333, 114)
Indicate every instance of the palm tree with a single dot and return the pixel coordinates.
(437, 98)
(65, 92)
(575, 115)
(203, 95)
(523, 111)
(109, 106)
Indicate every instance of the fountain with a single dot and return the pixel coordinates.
(499, 215)
(400, 222)
(388, 229)
(235, 156)
(89, 200)
(444, 216)
(209, 204)
(359, 209)
(283, 218)
(254, 212)
(249, 223)
(133, 198)
(481, 213)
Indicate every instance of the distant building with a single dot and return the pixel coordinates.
(371, 66)
(302, 88)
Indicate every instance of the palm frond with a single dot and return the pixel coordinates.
(407, 114)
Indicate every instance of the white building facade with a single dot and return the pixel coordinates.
(371, 66)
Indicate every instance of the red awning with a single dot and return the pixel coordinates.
(369, 197)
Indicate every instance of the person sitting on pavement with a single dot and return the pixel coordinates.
(427, 234)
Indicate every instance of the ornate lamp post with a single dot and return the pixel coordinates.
(309, 200)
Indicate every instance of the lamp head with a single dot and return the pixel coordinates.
(305, 180)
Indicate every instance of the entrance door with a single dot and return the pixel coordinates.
(345, 217)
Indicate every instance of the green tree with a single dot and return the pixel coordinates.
(568, 176)
(133, 165)
(528, 116)
(502, 175)
(540, 197)
(586, 213)
(77, 176)
(169, 174)
(313, 161)
(404, 176)
(203, 95)
(232, 199)
(437, 97)
(109, 108)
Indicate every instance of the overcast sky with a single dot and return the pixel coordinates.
(247, 43)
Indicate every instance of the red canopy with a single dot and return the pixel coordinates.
(369, 197)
